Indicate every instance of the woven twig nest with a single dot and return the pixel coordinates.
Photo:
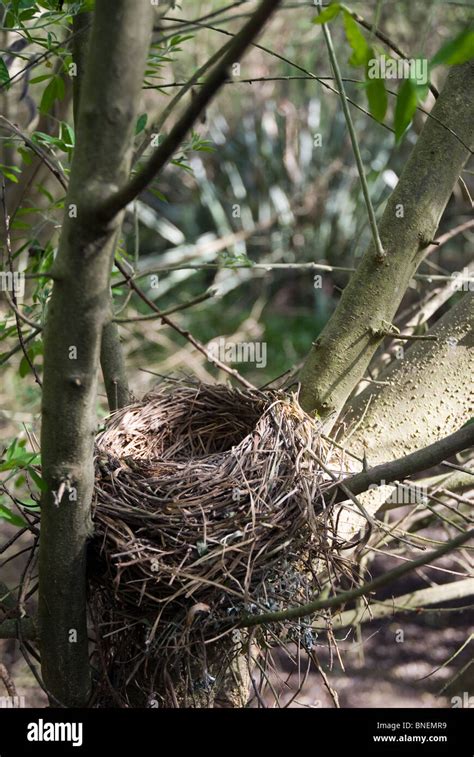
(209, 504)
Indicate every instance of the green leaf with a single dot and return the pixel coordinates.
(158, 194)
(4, 75)
(377, 98)
(15, 520)
(31, 505)
(42, 486)
(328, 14)
(17, 457)
(455, 51)
(17, 445)
(38, 79)
(361, 50)
(53, 91)
(67, 134)
(24, 367)
(48, 97)
(60, 88)
(9, 175)
(405, 108)
(141, 123)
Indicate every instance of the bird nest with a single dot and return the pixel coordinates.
(210, 504)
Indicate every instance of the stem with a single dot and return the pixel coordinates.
(302, 611)
(165, 151)
(417, 462)
(355, 145)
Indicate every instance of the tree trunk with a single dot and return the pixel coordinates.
(429, 395)
(76, 315)
(340, 355)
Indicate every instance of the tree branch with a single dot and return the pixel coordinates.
(216, 79)
(415, 600)
(416, 462)
(340, 599)
(422, 399)
(114, 369)
(426, 394)
(341, 354)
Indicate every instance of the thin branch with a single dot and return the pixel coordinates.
(343, 597)
(164, 152)
(184, 88)
(415, 600)
(153, 316)
(305, 71)
(6, 357)
(12, 300)
(416, 462)
(269, 267)
(42, 154)
(183, 332)
(39, 59)
(355, 145)
(403, 337)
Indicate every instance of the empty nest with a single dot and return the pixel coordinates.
(209, 504)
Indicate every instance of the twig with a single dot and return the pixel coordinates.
(183, 332)
(44, 157)
(14, 304)
(7, 681)
(268, 267)
(380, 252)
(337, 600)
(200, 298)
(416, 462)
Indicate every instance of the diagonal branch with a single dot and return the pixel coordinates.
(165, 151)
(340, 599)
(416, 462)
(340, 355)
(415, 600)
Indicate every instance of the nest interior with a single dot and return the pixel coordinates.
(209, 504)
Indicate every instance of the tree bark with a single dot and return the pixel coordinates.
(111, 355)
(340, 355)
(113, 365)
(429, 394)
(76, 315)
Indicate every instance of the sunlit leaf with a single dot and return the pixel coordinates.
(327, 14)
(405, 108)
(457, 50)
(358, 43)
